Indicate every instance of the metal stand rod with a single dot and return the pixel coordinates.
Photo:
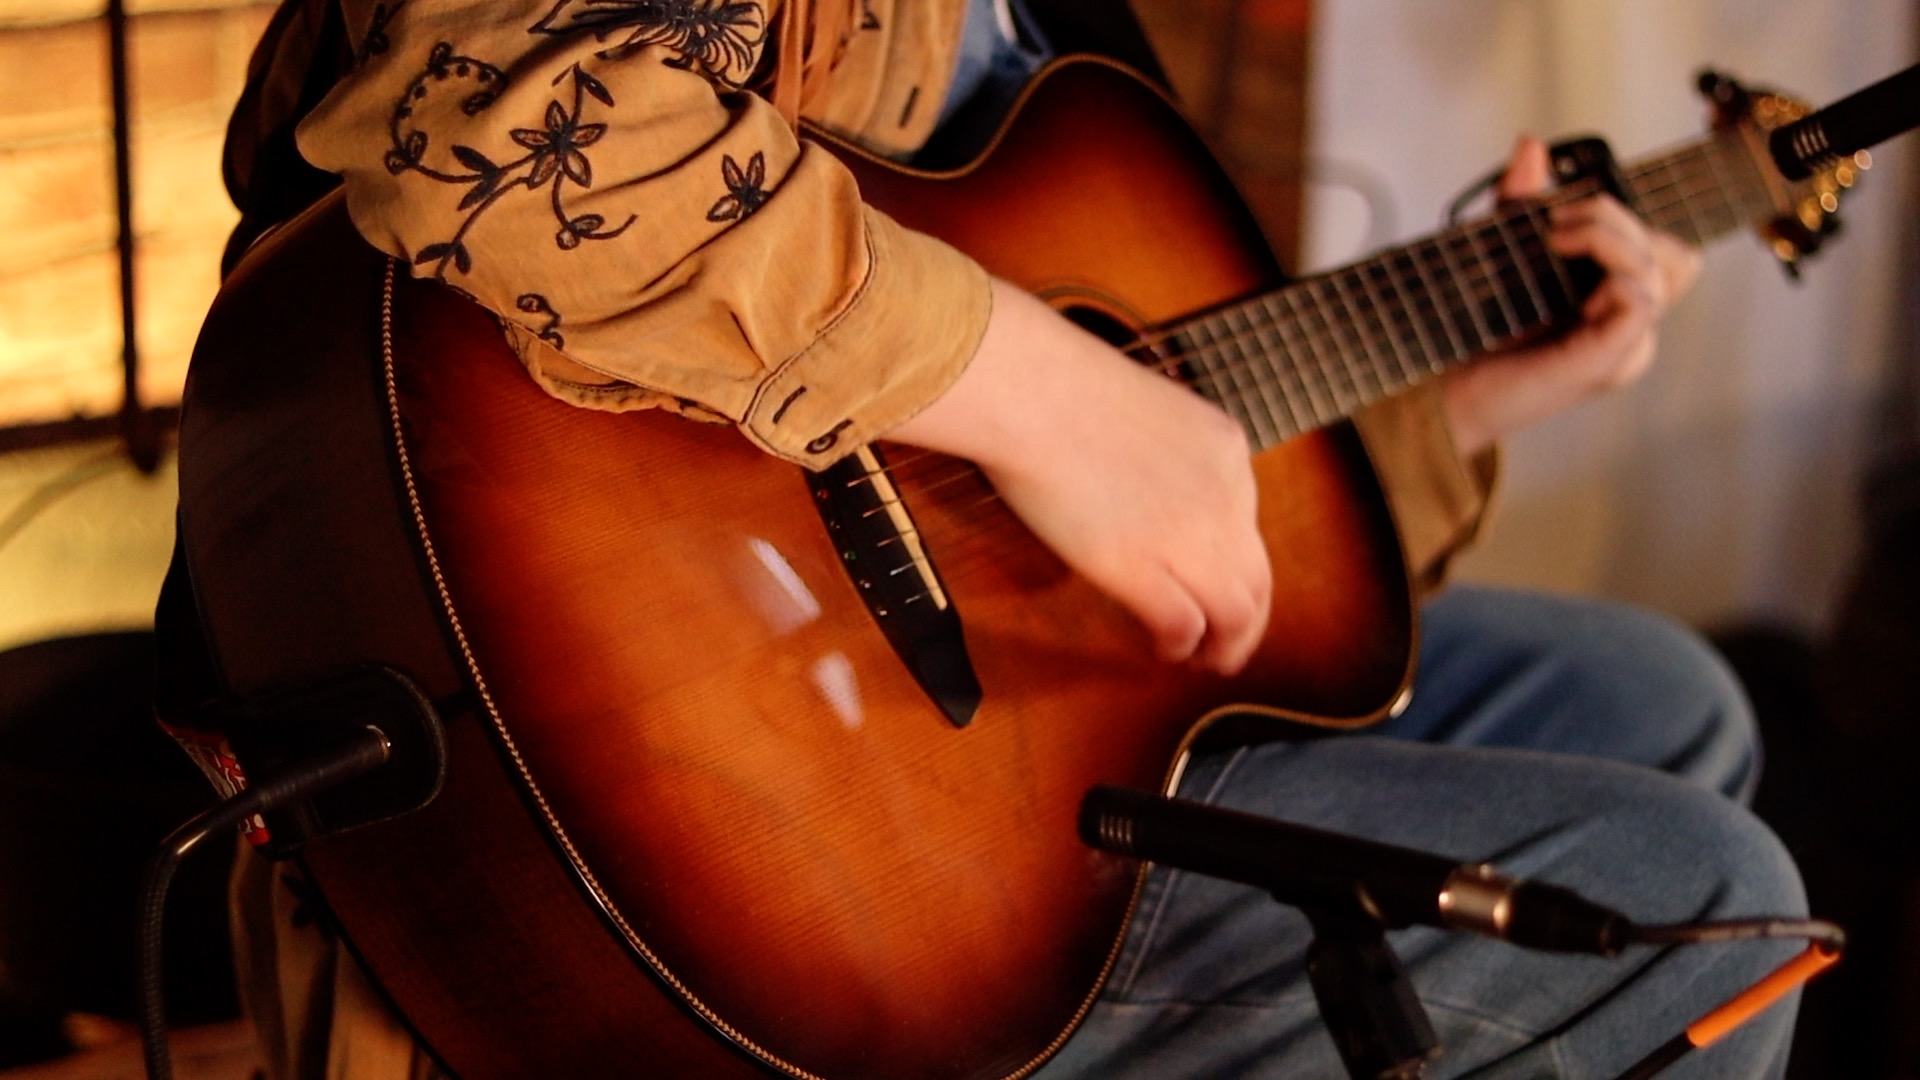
(137, 426)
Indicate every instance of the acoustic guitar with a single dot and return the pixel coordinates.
(755, 771)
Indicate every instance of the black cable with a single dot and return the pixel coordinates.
(1457, 209)
(364, 753)
(1817, 931)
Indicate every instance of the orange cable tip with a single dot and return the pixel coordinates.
(1755, 999)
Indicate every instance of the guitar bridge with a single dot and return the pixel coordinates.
(881, 551)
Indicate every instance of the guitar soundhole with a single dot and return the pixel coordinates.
(1102, 325)
(1124, 336)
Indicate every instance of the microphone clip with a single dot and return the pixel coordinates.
(280, 733)
(1366, 1000)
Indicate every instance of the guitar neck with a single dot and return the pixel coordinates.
(1323, 348)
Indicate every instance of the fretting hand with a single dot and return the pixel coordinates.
(1646, 271)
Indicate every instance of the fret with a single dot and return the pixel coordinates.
(1702, 190)
(1370, 373)
(1649, 186)
(1244, 376)
(1283, 317)
(1394, 310)
(1542, 226)
(1342, 357)
(1300, 357)
(1280, 365)
(1489, 289)
(1646, 186)
(1750, 193)
(1431, 289)
(1226, 374)
(1724, 187)
(1364, 350)
(1701, 229)
(1431, 358)
(1487, 340)
(1222, 368)
(1373, 319)
(1524, 271)
(1316, 354)
(1198, 357)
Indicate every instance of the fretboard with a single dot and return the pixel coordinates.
(1293, 360)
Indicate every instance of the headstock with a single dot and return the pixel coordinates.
(1803, 212)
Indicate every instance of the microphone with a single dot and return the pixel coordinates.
(1307, 867)
(1851, 124)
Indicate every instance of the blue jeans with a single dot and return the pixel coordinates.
(1584, 744)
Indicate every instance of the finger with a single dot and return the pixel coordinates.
(1616, 335)
(1600, 211)
(1237, 605)
(1527, 169)
(1611, 237)
(1679, 264)
(1676, 261)
(1166, 606)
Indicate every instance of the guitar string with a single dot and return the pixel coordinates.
(1333, 351)
(957, 562)
(1705, 174)
(1709, 171)
(1479, 283)
(1398, 319)
(1702, 176)
(1684, 187)
(1680, 179)
(1321, 354)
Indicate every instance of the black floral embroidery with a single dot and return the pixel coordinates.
(555, 153)
(745, 188)
(535, 304)
(481, 82)
(375, 42)
(720, 38)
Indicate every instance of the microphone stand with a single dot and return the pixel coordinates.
(1353, 890)
(1366, 999)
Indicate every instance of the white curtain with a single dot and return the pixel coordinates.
(1724, 486)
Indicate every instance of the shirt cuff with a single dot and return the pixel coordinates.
(911, 328)
(1440, 500)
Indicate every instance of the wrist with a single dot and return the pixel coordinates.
(1016, 391)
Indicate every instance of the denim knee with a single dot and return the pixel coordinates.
(1581, 676)
(1721, 749)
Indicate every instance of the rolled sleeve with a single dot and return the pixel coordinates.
(909, 332)
(1440, 500)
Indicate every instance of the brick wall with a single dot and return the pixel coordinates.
(59, 293)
